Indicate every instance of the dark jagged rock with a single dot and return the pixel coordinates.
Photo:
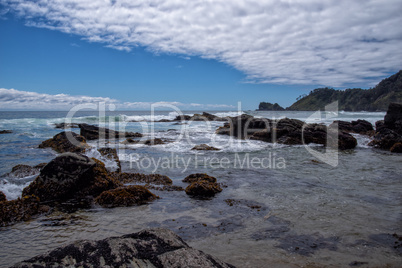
(125, 196)
(393, 118)
(91, 132)
(360, 127)
(396, 148)
(6, 131)
(284, 131)
(203, 188)
(66, 125)
(66, 141)
(204, 147)
(149, 248)
(129, 141)
(199, 176)
(71, 176)
(21, 209)
(40, 166)
(345, 141)
(389, 132)
(149, 142)
(144, 178)
(21, 171)
(111, 154)
(182, 118)
(2, 197)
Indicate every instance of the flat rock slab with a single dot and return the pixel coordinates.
(149, 248)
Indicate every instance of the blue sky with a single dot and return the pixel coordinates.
(47, 48)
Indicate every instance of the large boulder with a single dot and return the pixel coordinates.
(393, 118)
(125, 196)
(71, 176)
(91, 132)
(2, 197)
(66, 125)
(389, 132)
(66, 141)
(148, 248)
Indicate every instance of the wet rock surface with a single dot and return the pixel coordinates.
(389, 132)
(5, 131)
(2, 197)
(203, 188)
(362, 127)
(66, 141)
(91, 132)
(285, 131)
(199, 176)
(21, 209)
(71, 176)
(204, 147)
(21, 171)
(149, 248)
(125, 196)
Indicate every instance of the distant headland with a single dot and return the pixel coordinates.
(353, 99)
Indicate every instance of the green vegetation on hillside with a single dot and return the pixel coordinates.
(355, 99)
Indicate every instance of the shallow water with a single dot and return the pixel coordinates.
(302, 213)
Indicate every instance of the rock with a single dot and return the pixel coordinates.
(129, 141)
(66, 141)
(164, 120)
(6, 131)
(71, 176)
(182, 118)
(168, 188)
(393, 118)
(66, 125)
(2, 197)
(144, 178)
(91, 132)
(206, 117)
(125, 196)
(21, 171)
(203, 188)
(21, 209)
(199, 176)
(111, 154)
(153, 142)
(345, 140)
(205, 147)
(396, 148)
(40, 166)
(389, 132)
(362, 127)
(148, 248)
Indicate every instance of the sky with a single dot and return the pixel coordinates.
(201, 55)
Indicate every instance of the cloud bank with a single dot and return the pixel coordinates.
(332, 42)
(12, 99)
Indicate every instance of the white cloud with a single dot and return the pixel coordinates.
(12, 99)
(333, 42)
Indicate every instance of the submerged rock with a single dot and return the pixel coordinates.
(204, 147)
(396, 148)
(21, 209)
(6, 131)
(71, 176)
(149, 248)
(125, 196)
(66, 141)
(155, 141)
(91, 132)
(111, 154)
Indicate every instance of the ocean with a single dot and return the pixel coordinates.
(280, 205)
